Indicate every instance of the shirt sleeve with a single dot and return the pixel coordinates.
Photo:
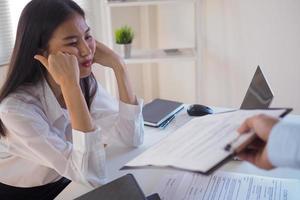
(30, 137)
(120, 122)
(283, 145)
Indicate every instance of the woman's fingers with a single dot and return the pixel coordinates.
(42, 60)
(63, 67)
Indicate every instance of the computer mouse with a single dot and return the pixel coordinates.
(199, 110)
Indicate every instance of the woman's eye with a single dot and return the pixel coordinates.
(88, 37)
(72, 44)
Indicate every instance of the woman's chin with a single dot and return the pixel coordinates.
(85, 72)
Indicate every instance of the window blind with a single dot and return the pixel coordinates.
(6, 33)
(10, 11)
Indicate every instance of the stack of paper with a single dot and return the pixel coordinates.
(225, 185)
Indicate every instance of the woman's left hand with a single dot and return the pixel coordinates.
(105, 56)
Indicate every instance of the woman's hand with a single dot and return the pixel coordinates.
(106, 57)
(62, 67)
(64, 70)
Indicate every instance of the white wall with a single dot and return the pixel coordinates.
(237, 36)
(176, 29)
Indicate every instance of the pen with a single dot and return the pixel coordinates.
(164, 124)
(229, 145)
(251, 136)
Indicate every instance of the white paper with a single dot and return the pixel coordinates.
(199, 144)
(226, 186)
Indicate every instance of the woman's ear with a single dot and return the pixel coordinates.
(43, 52)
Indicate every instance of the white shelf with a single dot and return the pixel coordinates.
(148, 54)
(126, 3)
(155, 56)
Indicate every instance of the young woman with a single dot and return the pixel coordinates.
(55, 118)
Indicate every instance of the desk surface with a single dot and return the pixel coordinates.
(117, 156)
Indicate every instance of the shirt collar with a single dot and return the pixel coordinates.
(50, 104)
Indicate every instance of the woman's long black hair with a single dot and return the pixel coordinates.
(37, 23)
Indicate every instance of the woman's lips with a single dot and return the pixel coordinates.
(87, 63)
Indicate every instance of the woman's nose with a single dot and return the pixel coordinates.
(84, 49)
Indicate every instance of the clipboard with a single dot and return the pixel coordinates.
(214, 156)
(241, 147)
(245, 144)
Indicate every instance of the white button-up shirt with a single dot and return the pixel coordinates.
(284, 144)
(40, 145)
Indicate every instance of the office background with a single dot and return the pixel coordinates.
(234, 37)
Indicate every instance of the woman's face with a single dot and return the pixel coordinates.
(73, 37)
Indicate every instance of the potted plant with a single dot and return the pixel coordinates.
(124, 36)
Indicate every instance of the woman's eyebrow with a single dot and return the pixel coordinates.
(75, 36)
(71, 37)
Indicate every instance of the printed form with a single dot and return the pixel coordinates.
(226, 186)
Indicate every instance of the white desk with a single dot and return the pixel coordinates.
(117, 156)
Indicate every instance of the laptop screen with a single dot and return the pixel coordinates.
(259, 94)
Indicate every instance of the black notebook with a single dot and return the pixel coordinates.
(125, 187)
(160, 110)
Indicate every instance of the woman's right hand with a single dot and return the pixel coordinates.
(64, 70)
(62, 67)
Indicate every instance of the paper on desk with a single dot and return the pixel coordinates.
(199, 144)
(226, 185)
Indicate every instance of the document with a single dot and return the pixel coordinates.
(200, 144)
(226, 186)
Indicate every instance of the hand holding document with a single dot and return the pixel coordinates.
(200, 145)
(226, 185)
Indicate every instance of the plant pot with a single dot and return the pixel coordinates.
(125, 50)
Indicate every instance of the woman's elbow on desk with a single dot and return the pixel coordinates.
(129, 135)
(137, 139)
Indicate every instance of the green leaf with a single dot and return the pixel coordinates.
(124, 35)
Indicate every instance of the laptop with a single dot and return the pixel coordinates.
(259, 94)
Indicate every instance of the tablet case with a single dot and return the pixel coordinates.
(160, 110)
(125, 187)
